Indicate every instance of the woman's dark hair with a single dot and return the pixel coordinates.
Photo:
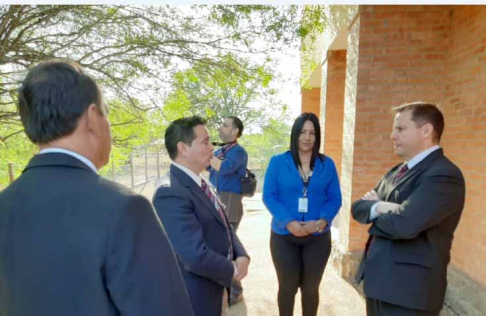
(295, 134)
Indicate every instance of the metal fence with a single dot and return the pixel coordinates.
(141, 168)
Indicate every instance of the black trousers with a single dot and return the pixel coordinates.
(299, 263)
(380, 308)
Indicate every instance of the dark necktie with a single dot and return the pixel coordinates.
(219, 207)
(400, 173)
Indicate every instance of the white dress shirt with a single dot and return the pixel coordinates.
(85, 160)
(410, 164)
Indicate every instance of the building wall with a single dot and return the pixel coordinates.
(399, 54)
(311, 100)
(334, 111)
(465, 113)
(402, 58)
(464, 106)
(348, 231)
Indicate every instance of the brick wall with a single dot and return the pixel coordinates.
(399, 54)
(464, 140)
(348, 230)
(402, 58)
(311, 100)
(334, 111)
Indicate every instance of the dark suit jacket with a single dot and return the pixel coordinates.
(74, 243)
(407, 261)
(200, 240)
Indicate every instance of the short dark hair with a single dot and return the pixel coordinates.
(295, 134)
(237, 123)
(52, 98)
(181, 130)
(424, 113)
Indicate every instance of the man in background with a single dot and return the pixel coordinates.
(72, 242)
(227, 168)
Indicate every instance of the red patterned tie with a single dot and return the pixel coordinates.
(400, 173)
(219, 207)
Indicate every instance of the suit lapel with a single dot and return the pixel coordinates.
(417, 169)
(195, 190)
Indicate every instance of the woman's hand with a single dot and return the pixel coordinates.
(312, 227)
(296, 229)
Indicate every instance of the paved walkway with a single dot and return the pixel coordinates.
(338, 298)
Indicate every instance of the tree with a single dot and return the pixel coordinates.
(134, 50)
(273, 139)
(216, 93)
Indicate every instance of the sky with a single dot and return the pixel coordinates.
(290, 93)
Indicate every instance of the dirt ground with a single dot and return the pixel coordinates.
(337, 297)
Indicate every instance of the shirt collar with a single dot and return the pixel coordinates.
(70, 153)
(418, 158)
(190, 173)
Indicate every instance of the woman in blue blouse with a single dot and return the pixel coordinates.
(302, 193)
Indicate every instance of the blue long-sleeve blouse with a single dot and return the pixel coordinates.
(283, 187)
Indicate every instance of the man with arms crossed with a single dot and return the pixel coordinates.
(72, 242)
(414, 211)
(209, 251)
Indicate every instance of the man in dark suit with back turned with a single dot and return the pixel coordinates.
(414, 211)
(72, 242)
(210, 253)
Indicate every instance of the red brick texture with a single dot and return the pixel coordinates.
(435, 54)
(402, 58)
(464, 142)
(311, 100)
(336, 77)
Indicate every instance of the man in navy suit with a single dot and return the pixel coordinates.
(72, 242)
(209, 251)
(414, 211)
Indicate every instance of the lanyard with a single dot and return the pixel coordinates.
(305, 179)
(226, 148)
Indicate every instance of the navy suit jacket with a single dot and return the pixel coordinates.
(74, 243)
(406, 264)
(200, 240)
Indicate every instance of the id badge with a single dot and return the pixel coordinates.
(303, 202)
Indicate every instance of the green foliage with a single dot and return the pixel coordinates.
(132, 128)
(215, 93)
(136, 53)
(274, 139)
(18, 151)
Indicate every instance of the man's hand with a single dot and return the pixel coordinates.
(242, 264)
(216, 163)
(388, 207)
(296, 229)
(371, 196)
